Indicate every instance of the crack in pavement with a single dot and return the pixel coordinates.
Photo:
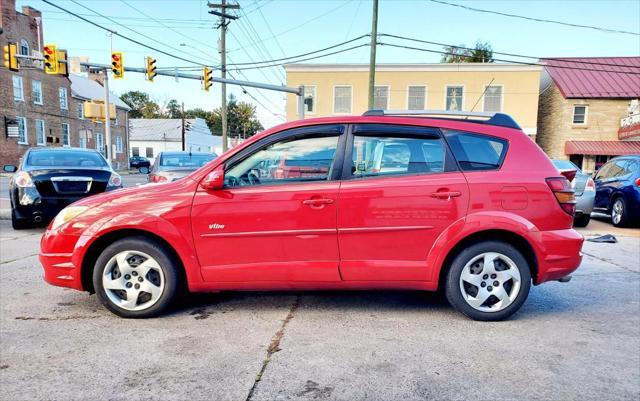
(609, 261)
(15, 260)
(274, 347)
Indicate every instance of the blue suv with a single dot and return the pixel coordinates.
(618, 190)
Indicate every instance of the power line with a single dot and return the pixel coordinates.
(502, 53)
(480, 10)
(202, 27)
(170, 20)
(121, 35)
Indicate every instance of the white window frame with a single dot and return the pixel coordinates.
(426, 94)
(119, 144)
(501, 97)
(82, 141)
(446, 90)
(334, 99)
(24, 43)
(44, 133)
(80, 110)
(62, 90)
(586, 114)
(315, 99)
(102, 148)
(33, 92)
(68, 136)
(14, 79)
(26, 136)
(388, 95)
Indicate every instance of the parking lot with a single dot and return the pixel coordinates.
(574, 341)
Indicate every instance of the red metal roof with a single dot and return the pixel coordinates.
(596, 77)
(609, 148)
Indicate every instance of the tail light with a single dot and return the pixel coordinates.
(115, 180)
(591, 186)
(638, 182)
(158, 178)
(563, 192)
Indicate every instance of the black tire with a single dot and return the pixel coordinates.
(164, 259)
(582, 220)
(452, 284)
(18, 224)
(624, 218)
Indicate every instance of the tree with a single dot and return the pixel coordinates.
(481, 53)
(173, 109)
(141, 105)
(241, 119)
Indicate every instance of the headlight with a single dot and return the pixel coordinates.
(115, 180)
(23, 180)
(67, 214)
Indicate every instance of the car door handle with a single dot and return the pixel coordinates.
(446, 194)
(317, 202)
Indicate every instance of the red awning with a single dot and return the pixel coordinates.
(608, 148)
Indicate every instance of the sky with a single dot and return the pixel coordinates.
(273, 29)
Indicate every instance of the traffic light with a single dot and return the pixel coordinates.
(9, 56)
(50, 53)
(150, 63)
(206, 78)
(117, 66)
(63, 65)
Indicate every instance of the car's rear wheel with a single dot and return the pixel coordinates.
(619, 215)
(582, 220)
(17, 223)
(489, 280)
(136, 278)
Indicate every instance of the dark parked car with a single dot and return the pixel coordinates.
(170, 166)
(618, 190)
(585, 192)
(139, 161)
(49, 179)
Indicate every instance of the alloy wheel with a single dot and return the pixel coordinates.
(616, 211)
(490, 282)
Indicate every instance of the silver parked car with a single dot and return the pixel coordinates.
(585, 189)
(173, 165)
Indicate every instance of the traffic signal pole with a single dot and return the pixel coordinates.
(107, 117)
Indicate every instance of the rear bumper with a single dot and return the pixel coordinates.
(584, 203)
(61, 267)
(559, 254)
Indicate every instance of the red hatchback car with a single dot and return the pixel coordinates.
(379, 201)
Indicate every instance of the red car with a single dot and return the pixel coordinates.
(471, 206)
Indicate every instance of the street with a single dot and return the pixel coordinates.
(573, 341)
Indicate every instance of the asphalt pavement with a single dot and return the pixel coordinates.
(573, 341)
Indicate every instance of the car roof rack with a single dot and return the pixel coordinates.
(498, 119)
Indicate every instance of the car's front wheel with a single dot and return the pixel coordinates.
(136, 278)
(488, 280)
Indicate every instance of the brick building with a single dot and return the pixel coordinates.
(47, 109)
(587, 116)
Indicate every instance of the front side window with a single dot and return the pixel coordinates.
(476, 151)
(379, 156)
(298, 160)
(417, 98)
(18, 95)
(342, 99)
(64, 102)
(493, 99)
(310, 99)
(454, 98)
(22, 131)
(579, 114)
(381, 97)
(40, 137)
(36, 89)
(66, 140)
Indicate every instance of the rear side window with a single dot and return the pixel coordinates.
(477, 152)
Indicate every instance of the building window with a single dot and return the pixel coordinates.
(149, 152)
(64, 102)
(135, 151)
(580, 114)
(24, 47)
(310, 99)
(36, 90)
(342, 99)
(40, 139)
(22, 131)
(119, 144)
(17, 88)
(66, 141)
(493, 98)
(99, 143)
(381, 97)
(454, 98)
(82, 140)
(417, 97)
(81, 110)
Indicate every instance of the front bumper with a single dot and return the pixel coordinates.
(62, 267)
(559, 254)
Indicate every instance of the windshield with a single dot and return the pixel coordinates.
(65, 158)
(184, 160)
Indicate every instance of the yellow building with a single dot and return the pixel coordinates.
(339, 89)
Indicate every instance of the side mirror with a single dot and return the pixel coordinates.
(9, 168)
(214, 180)
(143, 170)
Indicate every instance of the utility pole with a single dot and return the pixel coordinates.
(223, 6)
(372, 58)
(183, 126)
(107, 117)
